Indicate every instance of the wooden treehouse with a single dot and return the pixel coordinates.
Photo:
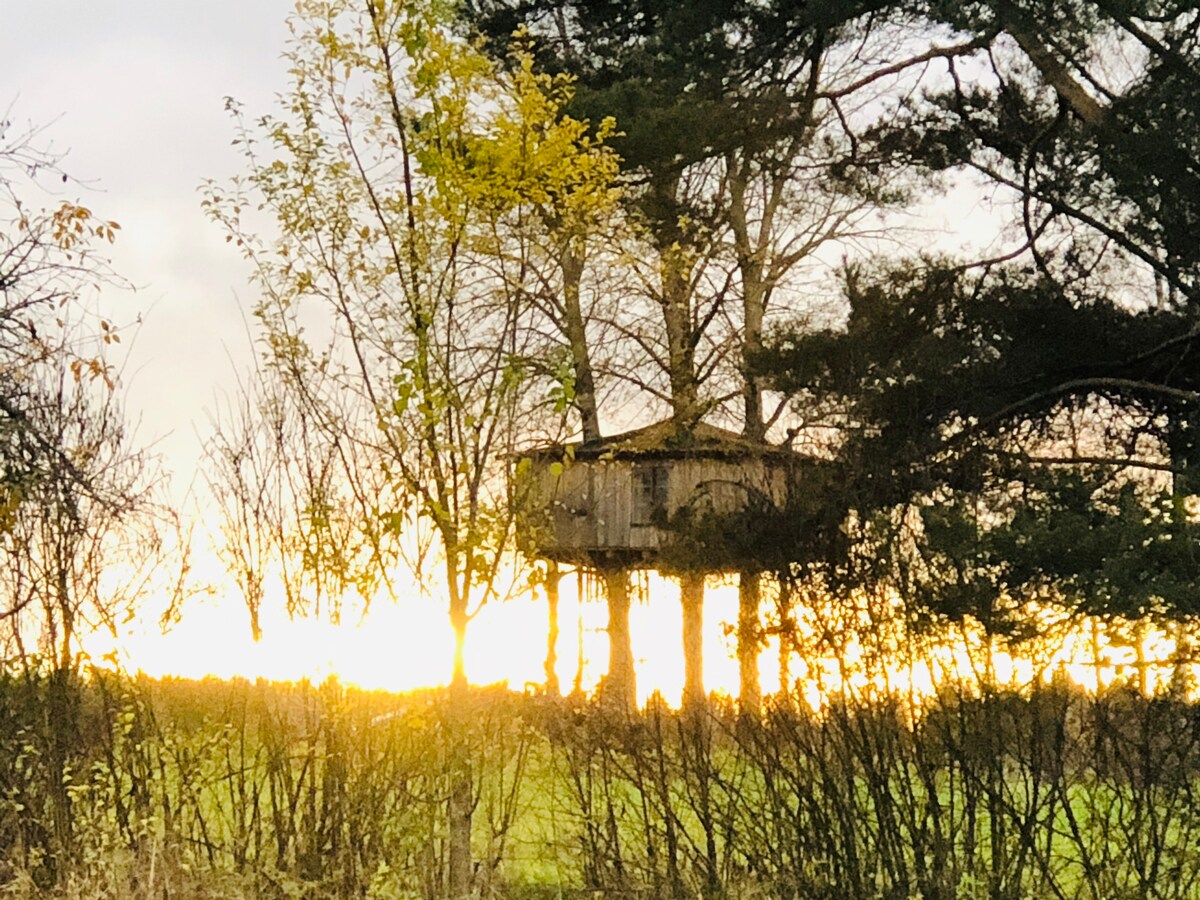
(639, 499)
(688, 503)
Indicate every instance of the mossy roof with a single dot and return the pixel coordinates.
(666, 440)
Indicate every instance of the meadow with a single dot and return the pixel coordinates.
(121, 787)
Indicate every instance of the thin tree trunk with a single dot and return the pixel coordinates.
(620, 686)
(754, 428)
(1053, 69)
(787, 640)
(748, 633)
(681, 350)
(62, 728)
(676, 301)
(691, 595)
(458, 622)
(580, 660)
(459, 806)
(1182, 680)
(1141, 662)
(750, 260)
(575, 329)
(551, 666)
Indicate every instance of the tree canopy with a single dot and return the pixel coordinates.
(1037, 410)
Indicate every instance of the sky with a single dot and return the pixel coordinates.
(133, 92)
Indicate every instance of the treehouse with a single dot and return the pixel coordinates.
(651, 498)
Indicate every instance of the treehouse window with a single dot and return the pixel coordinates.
(649, 495)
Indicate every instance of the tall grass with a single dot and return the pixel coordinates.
(1001, 795)
(118, 787)
(239, 789)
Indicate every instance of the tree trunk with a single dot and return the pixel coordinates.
(61, 732)
(681, 349)
(459, 806)
(620, 686)
(755, 290)
(691, 595)
(580, 658)
(1053, 70)
(754, 428)
(750, 693)
(1182, 680)
(62, 725)
(551, 666)
(675, 265)
(460, 803)
(575, 328)
(458, 622)
(1142, 664)
(787, 640)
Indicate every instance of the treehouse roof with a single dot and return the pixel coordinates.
(665, 440)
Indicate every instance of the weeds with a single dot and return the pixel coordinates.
(230, 790)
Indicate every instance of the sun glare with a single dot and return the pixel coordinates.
(405, 643)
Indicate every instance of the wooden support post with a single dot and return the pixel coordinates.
(691, 595)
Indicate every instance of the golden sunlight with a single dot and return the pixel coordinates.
(406, 643)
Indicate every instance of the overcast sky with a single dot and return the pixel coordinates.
(133, 91)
